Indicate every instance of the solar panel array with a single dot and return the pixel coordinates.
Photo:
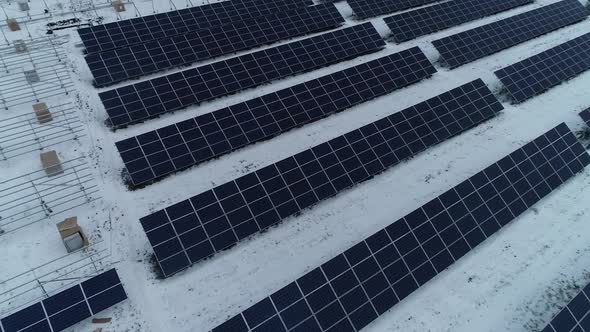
(539, 73)
(371, 8)
(138, 102)
(196, 228)
(419, 22)
(68, 307)
(575, 317)
(117, 65)
(585, 115)
(470, 45)
(146, 28)
(157, 153)
(354, 288)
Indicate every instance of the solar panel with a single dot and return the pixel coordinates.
(419, 22)
(539, 73)
(189, 231)
(574, 317)
(157, 153)
(142, 29)
(117, 65)
(470, 45)
(585, 115)
(371, 8)
(354, 288)
(68, 307)
(141, 101)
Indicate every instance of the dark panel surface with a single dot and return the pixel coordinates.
(149, 156)
(217, 219)
(575, 316)
(63, 300)
(419, 22)
(371, 8)
(69, 306)
(354, 288)
(28, 316)
(141, 101)
(70, 316)
(152, 27)
(100, 283)
(539, 73)
(117, 65)
(470, 45)
(107, 299)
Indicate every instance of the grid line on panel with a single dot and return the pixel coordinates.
(423, 21)
(235, 210)
(213, 134)
(575, 316)
(392, 263)
(123, 63)
(370, 8)
(148, 99)
(147, 28)
(467, 46)
(69, 306)
(585, 115)
(539, 73)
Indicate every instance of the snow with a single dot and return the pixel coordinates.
(514, 281)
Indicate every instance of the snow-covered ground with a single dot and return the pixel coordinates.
(514, 281)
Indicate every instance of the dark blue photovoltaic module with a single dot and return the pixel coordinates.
(355, 287)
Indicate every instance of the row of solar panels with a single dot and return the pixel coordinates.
(139, 59)
(156, 154)
(221, 15)
(68, 307)
(355, 287)
(150, 56)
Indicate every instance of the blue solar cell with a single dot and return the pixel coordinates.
(196, 140)
(539, 73)
(30, 316)
(419, 22)
(470, 45)
(265, 197)
(63, 300)
(107, 299)
(371, 285)
(100, 283)
(152, 27)
(119, 64)
(141, 101)
(70, 316)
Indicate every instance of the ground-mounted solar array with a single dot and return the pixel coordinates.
(194, 229)
(157, 153)
(539, 73)
(371, 8)
(119, 64)
(68, 307)
(575, 316)
(141, 101)
(145, 28)
(470, 45)
(354, 288)
(419, 22)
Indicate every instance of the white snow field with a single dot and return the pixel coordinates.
(514, 281)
